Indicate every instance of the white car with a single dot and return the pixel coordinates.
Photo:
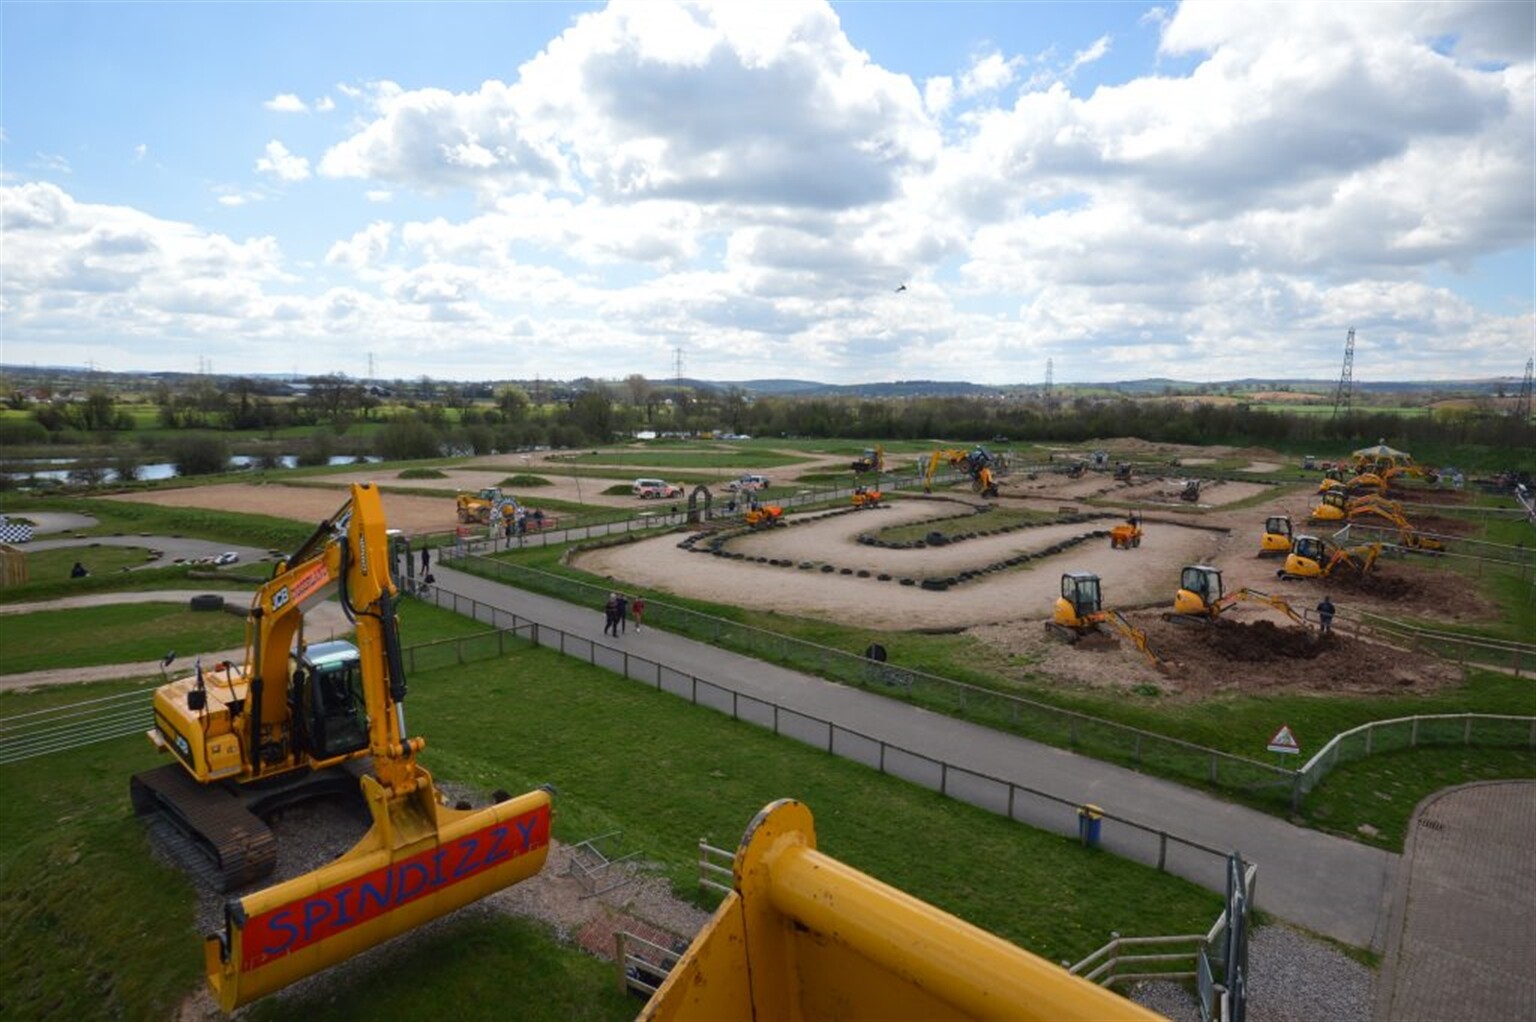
(746, 483)
(655, 489)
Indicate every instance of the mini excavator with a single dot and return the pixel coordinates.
(297, 722)
(1311, 557)
(1200, 598)
(1080, 614)
(1277, 536)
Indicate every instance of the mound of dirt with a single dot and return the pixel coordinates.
(1443, 525)
(1382, 586)
(1261, 642)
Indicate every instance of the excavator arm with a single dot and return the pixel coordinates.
(1117, 621)
(1254, 596)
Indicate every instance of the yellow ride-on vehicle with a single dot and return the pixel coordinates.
(763, 516)
(866, 497)
(296, 722)
(872, 460)
(1127, 534)
(1200, 598)
(1080, 615)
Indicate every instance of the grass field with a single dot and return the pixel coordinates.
(46, 565)
(108, 930)
(124, 633)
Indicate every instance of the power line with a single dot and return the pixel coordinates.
(1343, 397)
(1523, 406)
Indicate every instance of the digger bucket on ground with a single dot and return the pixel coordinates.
(419, 861)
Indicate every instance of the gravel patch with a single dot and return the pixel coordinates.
(1292, 978)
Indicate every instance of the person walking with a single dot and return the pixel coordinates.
(637, 607)
(426, 559)
(1325, 611)
(623, 612)
(611, 615)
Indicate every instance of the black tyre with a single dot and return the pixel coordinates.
(207, 601)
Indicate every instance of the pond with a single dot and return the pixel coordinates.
(58, 469)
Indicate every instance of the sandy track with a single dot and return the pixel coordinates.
(300, 503)
(1145, 575)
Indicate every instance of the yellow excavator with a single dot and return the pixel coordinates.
(977, 463)
(1311, 557)
(803, 935)
(299, 721)
(1200, 598)
(1080, 614)
(1277, 536)
(1335, 507)
(872, 460)
(482, 505)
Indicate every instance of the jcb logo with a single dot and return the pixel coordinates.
(280, 598)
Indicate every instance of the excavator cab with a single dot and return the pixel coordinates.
(1334, 508)
(1199, 589)
(1080, 599)
(1306, 559)
(1277, 536)
(328, 685)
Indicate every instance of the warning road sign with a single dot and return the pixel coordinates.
(1284, 741)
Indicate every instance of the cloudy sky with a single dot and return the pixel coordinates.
(485, 191)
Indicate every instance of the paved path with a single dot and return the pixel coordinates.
(1461, 944)
(1327, 884)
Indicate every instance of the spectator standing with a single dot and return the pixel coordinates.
(426, 559)
(1325, 611)
(623, 613)
(611, 615)
(638, 609)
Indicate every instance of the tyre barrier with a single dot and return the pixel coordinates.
(207, 601)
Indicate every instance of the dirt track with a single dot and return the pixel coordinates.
(1005, 608)
(1131, 577)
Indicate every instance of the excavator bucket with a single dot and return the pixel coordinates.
(804, 936)
(419, 861)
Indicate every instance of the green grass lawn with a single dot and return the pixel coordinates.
(108, 931)
(55, 564)
(119, 634)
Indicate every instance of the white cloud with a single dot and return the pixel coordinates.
(52, 161)
(139, 152)
(744, 181)
(324, 105)
(1095, 52)
(282, 164)
(286, 103)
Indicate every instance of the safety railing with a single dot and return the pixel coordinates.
(715, 863)
(1484, 730)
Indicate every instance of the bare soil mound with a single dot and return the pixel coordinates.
(1260, 642)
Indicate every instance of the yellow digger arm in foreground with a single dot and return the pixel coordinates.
(804, 936)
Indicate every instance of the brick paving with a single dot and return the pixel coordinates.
(1461, 944)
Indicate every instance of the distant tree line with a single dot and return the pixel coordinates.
(424, 420)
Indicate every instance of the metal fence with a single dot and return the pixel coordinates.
(1152, 845)
(1103, 739)
(76, 725)
(1481, 729)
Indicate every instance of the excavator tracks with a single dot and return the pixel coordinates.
(207, 828)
